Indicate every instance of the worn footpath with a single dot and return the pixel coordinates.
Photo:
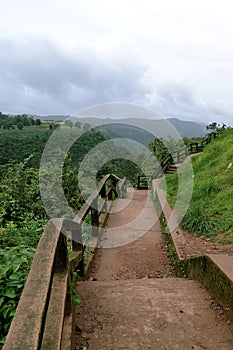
(132, 300)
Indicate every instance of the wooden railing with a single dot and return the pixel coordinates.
(44, 316)
(174, 157)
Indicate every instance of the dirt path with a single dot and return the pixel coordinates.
(144, 257)
(124, 305)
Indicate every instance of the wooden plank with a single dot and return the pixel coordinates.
(27, 325)
(52, 336)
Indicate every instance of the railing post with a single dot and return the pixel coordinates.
(121, 188)
(114, 185)
(139, 180)
(178, 156)
(76, 233)
(95, 218)
(77, 242)
(61, 257)
(103, 191)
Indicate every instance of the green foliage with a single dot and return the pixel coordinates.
(22, 220)
(19, 194)
(74, 293)
(122, 168)
(18, 121)
(14, 266)
(210, 211)
(217, 127)
(17, 145)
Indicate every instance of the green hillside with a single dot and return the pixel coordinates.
(211, 207)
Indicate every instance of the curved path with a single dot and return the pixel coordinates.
(133, 301)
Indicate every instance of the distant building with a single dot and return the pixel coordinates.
(57, 122)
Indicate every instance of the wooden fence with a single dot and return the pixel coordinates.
(44, 316)
(173, 157)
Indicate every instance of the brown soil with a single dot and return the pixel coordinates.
(166, 313)
(197, 246)
(145, 258)
(133, 301)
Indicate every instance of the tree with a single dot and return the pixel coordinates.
(20, 125)
(78, 125)
(37, 122)
(86, 127)
(217, 127)
(69, 123)
(8, 125)
(213, 126)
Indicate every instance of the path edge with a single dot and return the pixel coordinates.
(214, 272)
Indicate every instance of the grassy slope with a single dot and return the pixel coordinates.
(211, 208)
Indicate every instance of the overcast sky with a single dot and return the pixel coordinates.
(175, 57)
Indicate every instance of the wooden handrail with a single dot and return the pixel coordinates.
(44, 316)
(176, 156)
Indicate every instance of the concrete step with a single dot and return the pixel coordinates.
(169, 313)
(170, 171)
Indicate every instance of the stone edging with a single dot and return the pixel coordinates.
(215, 272)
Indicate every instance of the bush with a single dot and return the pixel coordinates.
(15, 263)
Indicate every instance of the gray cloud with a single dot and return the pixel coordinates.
(39, 76)
(179, 101)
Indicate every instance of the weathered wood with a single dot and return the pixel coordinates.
(76, 233)
(52, 335)
(26, 329)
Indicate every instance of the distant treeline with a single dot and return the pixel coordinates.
(17, 121)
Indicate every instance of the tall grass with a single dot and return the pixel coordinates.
(211, 207)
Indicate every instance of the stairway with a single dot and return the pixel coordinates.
(172, 169)
(132, 299)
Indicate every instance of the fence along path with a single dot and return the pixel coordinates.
(173, 157)
(44, 316)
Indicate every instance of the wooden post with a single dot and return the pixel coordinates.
(113, 185)
(76, 233)
(139, 180)
(95, 218)
(103, 191)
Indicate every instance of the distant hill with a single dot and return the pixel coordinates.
(188, 128)
(158, 127)
(51, 117)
